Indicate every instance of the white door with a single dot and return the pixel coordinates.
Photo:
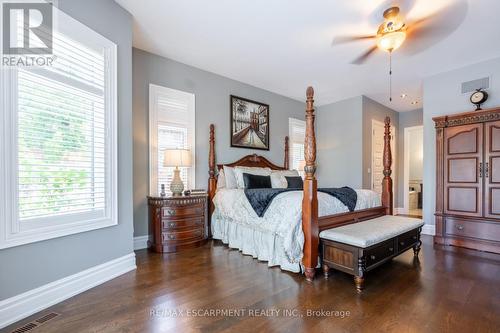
(378, 155)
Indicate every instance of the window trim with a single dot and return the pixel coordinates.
(13, 232)
(154, 92)
(293, 122)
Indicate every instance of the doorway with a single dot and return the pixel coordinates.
(413, 170)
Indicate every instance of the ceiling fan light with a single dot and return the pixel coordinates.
(391, 41)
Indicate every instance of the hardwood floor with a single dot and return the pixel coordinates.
(447, 291)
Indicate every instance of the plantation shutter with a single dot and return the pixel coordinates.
(297, 130)
(62, 133)
(170, 136)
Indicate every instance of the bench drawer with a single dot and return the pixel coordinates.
(407, 240)
(379, 252)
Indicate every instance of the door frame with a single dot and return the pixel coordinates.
(393, 153)
(406, 166)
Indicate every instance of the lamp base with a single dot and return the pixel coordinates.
(176, 186)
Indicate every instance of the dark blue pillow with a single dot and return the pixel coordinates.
(255, 181)
(295, 182)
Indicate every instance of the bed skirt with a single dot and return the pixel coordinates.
(261, 245)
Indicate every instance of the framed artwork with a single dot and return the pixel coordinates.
(249, 123)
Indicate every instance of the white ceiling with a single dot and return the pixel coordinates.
(285, 45)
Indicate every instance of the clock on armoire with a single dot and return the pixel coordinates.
(468, 180)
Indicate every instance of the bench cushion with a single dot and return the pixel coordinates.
(370, 232)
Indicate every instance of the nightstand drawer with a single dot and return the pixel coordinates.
(183, 211)
(172, 236)
(169, 224)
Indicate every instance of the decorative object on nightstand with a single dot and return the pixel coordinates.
(177, 158)
(162, 193)
(177, 222)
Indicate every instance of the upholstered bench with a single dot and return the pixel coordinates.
(360, 247)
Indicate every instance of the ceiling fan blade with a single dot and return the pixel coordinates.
(349, 39)
(362, 58)
(427, 31)
(424, 24)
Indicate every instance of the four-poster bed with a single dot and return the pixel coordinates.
(312, 224)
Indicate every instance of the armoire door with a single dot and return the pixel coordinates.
(492, 170)
(463, 156)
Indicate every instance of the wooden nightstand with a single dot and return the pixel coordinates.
(177, 222)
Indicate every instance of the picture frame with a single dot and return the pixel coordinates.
(249, 126)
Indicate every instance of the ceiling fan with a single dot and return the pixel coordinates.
(394, 31)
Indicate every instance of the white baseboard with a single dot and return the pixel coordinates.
(21, 306)
(141, 242)
(429, 229)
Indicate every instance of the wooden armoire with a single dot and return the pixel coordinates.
(468, 180)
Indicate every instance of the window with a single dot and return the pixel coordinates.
(59, 140)
(171, 125)
(170, 136)
(297, 132)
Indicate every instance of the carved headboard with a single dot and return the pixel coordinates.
(257, 161)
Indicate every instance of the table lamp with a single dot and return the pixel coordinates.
(177, 158)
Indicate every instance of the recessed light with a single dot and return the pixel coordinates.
(404, 95)
(414, 102)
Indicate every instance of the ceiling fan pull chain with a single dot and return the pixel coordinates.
(390, 76)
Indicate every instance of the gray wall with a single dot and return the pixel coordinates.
(345, 141)
(212, 106)
(375, 111)
(442, 96)
(340, 143)
(29, 266)
(406, 119)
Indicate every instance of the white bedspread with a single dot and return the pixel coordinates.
(282, 218)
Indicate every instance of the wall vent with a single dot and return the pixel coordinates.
(47, 317)
(25, 328)
(36, 323)
(471, 86)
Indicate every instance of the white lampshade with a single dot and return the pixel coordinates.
(177, 158)
(302, 165)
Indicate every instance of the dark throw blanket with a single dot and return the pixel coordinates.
(260, 198)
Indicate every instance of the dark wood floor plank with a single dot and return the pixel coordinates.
(447, 290)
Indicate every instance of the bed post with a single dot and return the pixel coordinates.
(212, 182)
(387, 195)
(310, 199)
(287, 152)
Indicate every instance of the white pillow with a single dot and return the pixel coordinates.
(221, 180)
(239, 171)
(278, 179)
(230, 177)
